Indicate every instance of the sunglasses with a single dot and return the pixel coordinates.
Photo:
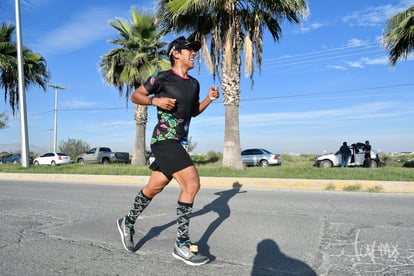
(186, 47)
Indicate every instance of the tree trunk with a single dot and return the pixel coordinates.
(232, 152)
(231, 91)
(141, 117)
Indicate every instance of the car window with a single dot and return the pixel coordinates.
(247, 152)
(92, 150)
(61, 154)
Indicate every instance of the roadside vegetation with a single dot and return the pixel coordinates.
(300, 166)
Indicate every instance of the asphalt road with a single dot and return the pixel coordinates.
(53, 228)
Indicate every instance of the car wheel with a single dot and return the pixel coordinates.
(374, 164)
(36, 163)
(264, 163)
(53, 163)
(81, 161)
(105, 161)
(326, 164)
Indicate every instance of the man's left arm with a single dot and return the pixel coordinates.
(213, 94)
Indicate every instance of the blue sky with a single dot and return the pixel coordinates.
(323, 83)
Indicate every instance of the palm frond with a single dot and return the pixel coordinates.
(398, 36)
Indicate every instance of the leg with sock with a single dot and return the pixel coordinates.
(141, 202)
(184, 249)
(184, 211)
(126, 224)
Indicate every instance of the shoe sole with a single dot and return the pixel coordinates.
(122, 237)
(187, 261)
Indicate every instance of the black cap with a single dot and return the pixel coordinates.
(182, 43)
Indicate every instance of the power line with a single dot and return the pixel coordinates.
(312, 59)
(323, 55)
(330, 92)
(96, 109)
(325, 52)
(290, 96)
(290, 60)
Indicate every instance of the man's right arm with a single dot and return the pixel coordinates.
(140, 96)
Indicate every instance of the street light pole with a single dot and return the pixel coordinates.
(57, 87)
(50, 139)
(22, 94)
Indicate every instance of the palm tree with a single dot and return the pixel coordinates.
(130, 65)
(399, 35)
(34, 67)
(232, 27)
(3, 120)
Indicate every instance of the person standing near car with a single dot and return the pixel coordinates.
(367, 161)
(176, 96)
(345, 154)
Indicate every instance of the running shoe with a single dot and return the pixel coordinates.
(127, 232)
(188, 253)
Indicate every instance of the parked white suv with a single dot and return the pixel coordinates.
(356, 159)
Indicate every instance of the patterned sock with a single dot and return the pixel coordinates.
(141, 202)
(184, 211)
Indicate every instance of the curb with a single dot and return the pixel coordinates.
(257, 183)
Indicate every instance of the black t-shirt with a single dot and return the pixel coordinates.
(344, 150)
(173, 124)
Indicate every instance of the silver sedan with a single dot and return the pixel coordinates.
(260, 157)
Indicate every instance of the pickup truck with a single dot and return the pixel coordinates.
(102, 155)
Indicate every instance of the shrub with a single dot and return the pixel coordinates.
(352, 188)
(375, 189)
(213, 156)
(198, 158)
(409, 164)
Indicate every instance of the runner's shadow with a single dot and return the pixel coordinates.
(271, 261)
(220, 206)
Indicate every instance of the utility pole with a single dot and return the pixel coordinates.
(22, 94)
(57, 87)
(50, 139)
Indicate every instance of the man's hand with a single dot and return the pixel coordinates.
(164, 103)
(213, 93)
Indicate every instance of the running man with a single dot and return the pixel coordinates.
(176, 96)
